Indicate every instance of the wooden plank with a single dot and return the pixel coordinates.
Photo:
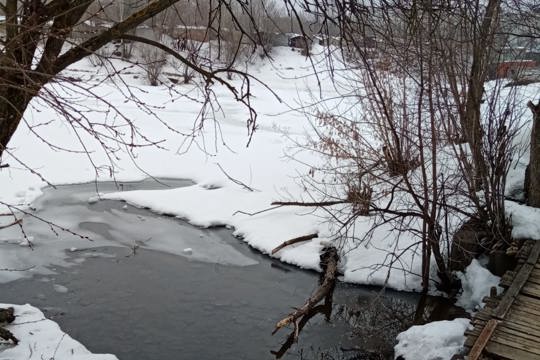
(511, 327)
(531, 289)
(509, 352)
(523, 320)
(524, 329)
(513, 291)
(534, 254)
(485, 314)
(533, 280)
(535, 274)
(482, 340)
(517, 342)
(533, 311)
(528, 301)
(513, 332)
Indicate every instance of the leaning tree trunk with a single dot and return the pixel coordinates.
(13, 103)
(533, 173)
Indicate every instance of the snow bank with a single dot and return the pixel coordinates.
(266, 230)
(40, 338)
(476, 282)
(210, 207)
(525, 220)
(438, 340)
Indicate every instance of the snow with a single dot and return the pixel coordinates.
(270, 165)
(214, 199)
(438, 340)
(60, 288)
(476, 282)
(525, 220)
(40, 338)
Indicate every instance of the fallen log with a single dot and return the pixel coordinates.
(324, 309)
(329, 262)
(294, 241)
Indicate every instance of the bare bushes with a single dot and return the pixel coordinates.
(419, 128)
(153, 61)
(390, 147)
(191, 50)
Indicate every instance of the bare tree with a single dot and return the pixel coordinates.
(38, 32)
(532, 187)
(429, 144)
(154, 61)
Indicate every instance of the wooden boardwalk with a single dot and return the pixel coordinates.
(509, 326)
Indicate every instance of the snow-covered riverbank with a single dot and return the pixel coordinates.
(218, 154)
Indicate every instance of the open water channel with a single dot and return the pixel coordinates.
(137, 292)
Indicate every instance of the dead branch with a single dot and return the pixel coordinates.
(329, 261)
(256, 212)
(324, 309)
(294, 241)
(309, 204)
(236, 181)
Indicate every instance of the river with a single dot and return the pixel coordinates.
(154, 287)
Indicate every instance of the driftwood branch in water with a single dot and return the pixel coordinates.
(324, 309)
(309, 204)
(329, 261)
(294, 241)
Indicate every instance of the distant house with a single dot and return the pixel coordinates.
(514, 68)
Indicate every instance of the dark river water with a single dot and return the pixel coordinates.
(136, 294)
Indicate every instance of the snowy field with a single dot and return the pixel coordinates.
(266, 166)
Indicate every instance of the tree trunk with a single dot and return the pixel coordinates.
(471, 125)
(13, 103)
(533, 180)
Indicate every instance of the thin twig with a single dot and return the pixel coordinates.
(294, 241)
(236, 181)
